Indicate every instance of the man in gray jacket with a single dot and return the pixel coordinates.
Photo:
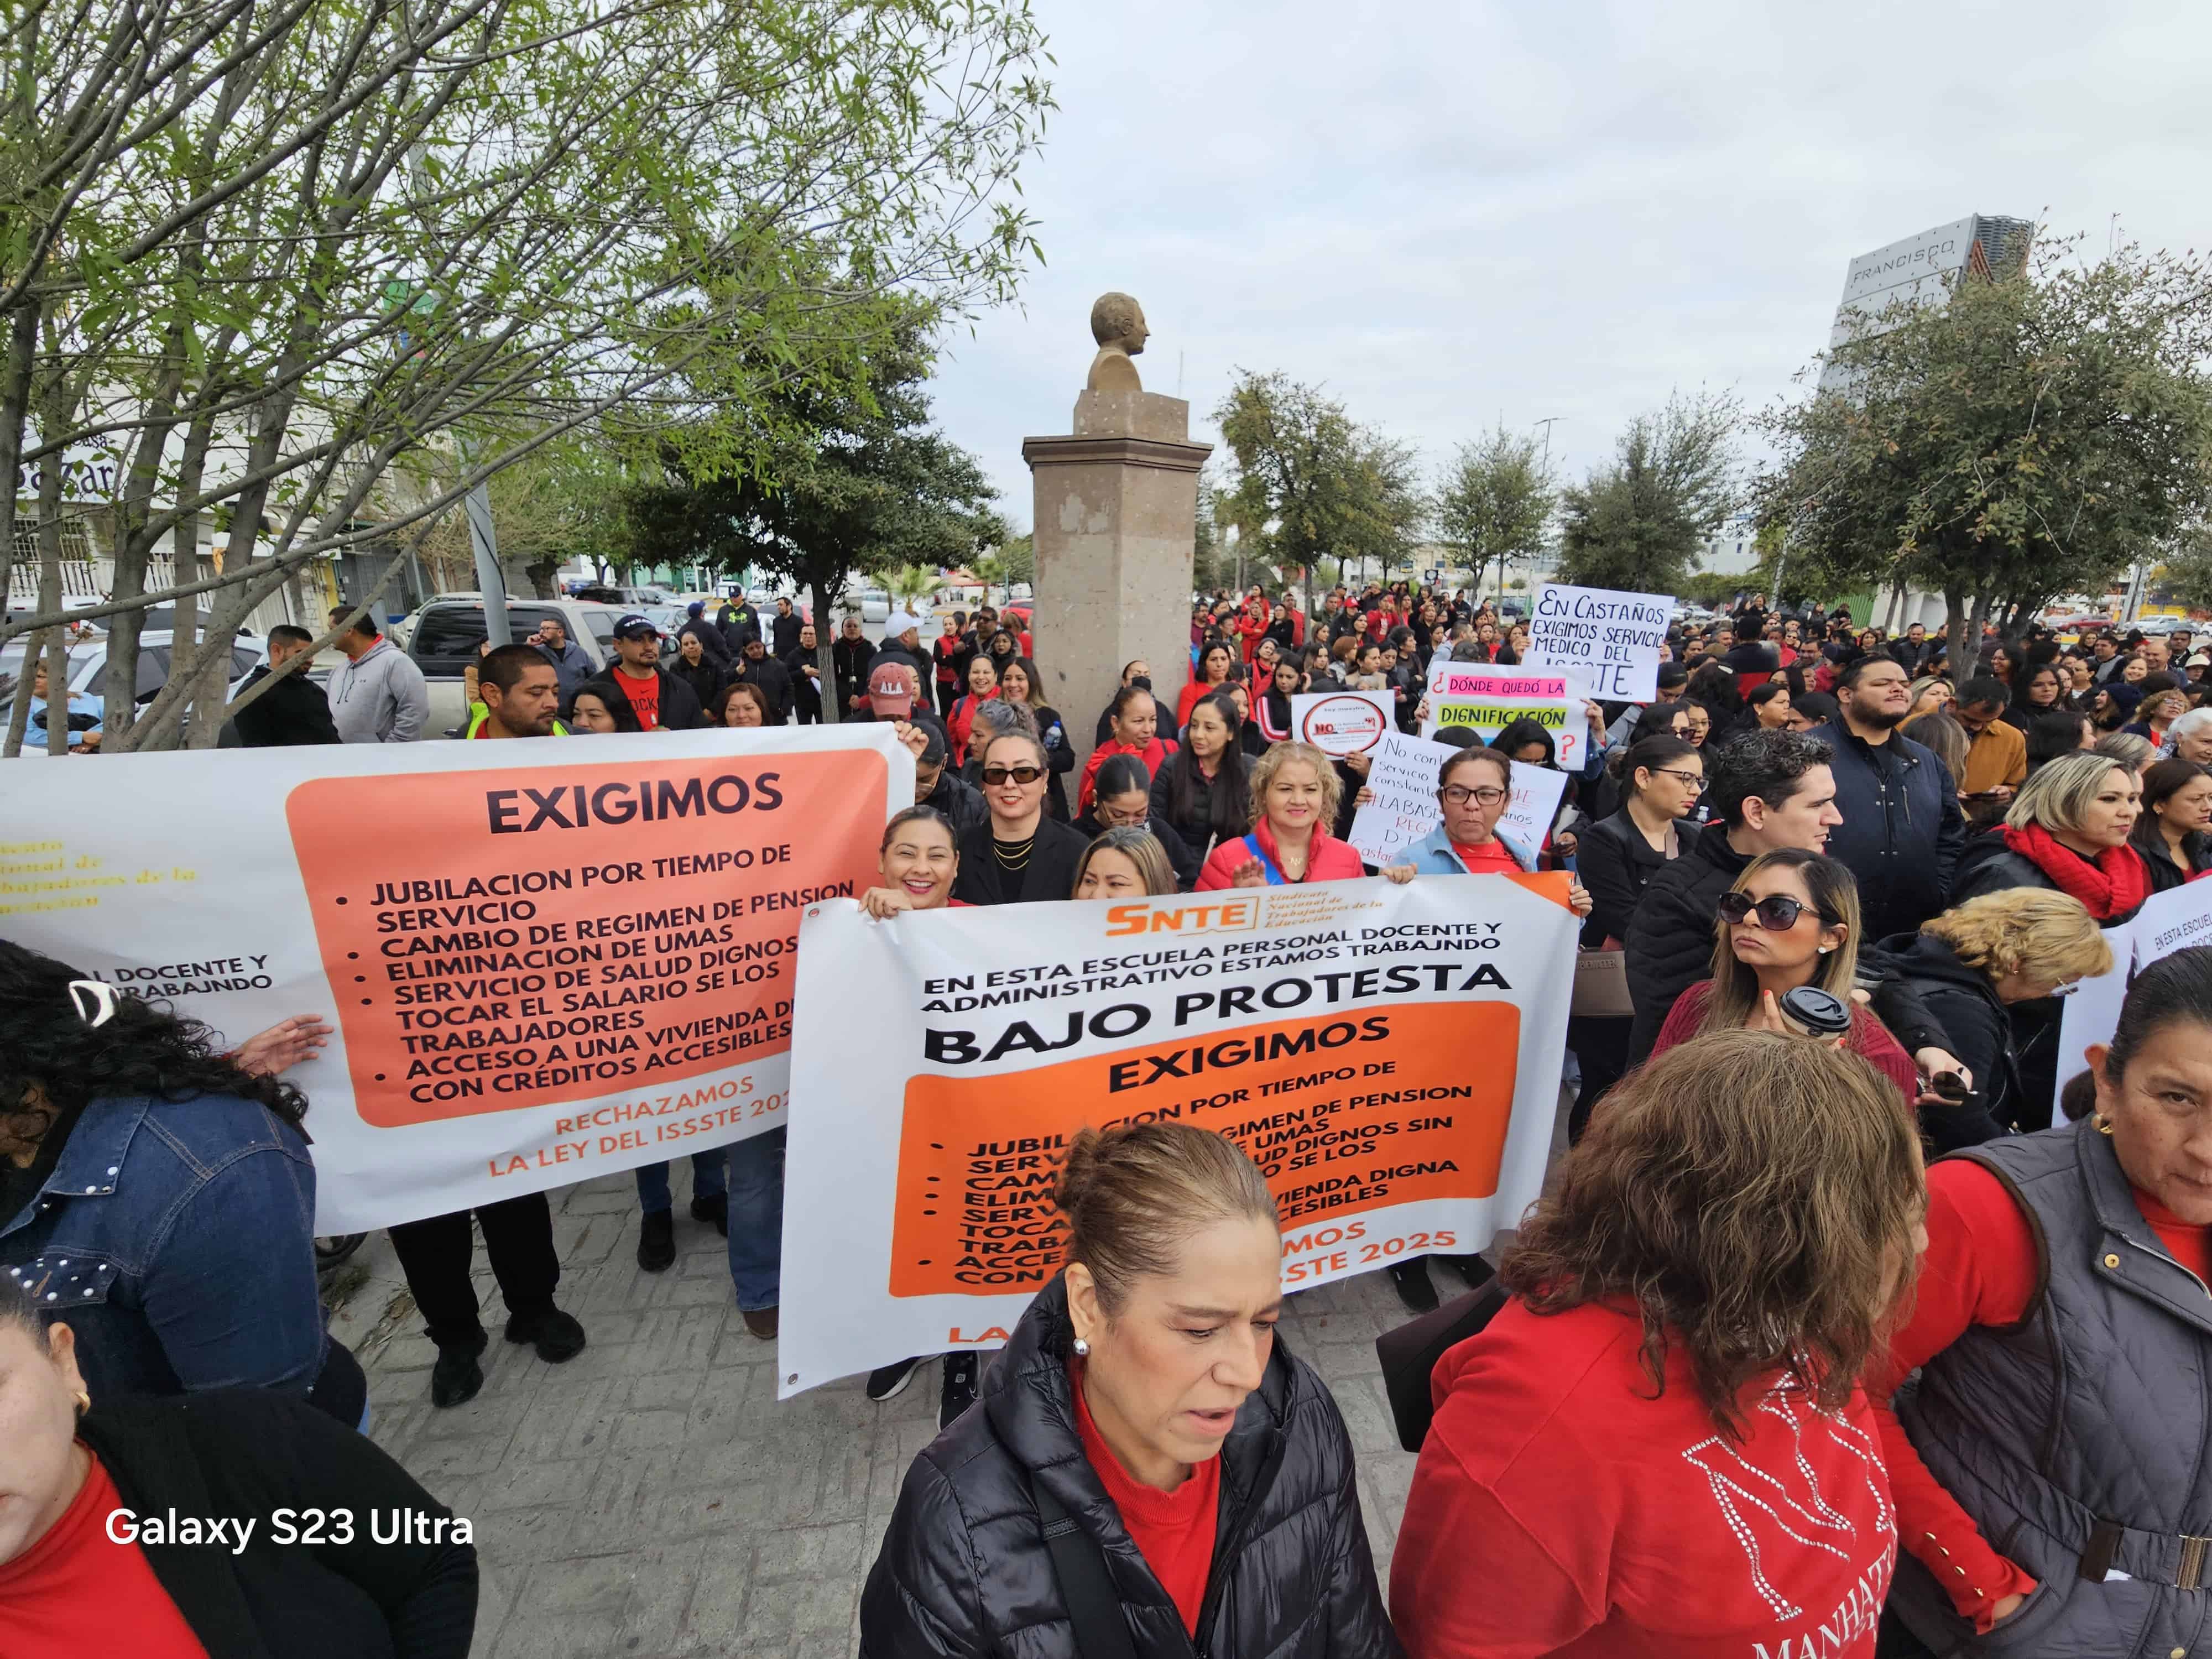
(379, 695)
(569, 662)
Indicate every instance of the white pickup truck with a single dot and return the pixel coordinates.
(443, 636)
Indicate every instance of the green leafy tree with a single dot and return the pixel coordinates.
(2029, 438)
(1310, 481)
(1637, 521)
(1018, 559)
(859, 483)
(1495, 500)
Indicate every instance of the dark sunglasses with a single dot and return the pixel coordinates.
(997, 775)
(1777, 914)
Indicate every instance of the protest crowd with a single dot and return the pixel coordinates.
(1834, 1332)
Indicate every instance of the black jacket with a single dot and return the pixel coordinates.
(1197, 828)
(959, 800)
(1181, 859)
(705, 681)
(1670, 938)
(784, 631)
(1050, 873)
(293, 712)
(250, 1453)
(1902, 830)
(773, 680)
(679, 704)
(805, 693)
(1058, 758)
(738, 621)
(711, 643)
(2165, 874)
(1988, 866)
(849, 660)
(1616, 864)
(964, 1569)
(1976, 1027)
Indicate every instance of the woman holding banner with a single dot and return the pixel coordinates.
(918, 861)
(1660, 1444)
(1151, 1471)
(1295, 791)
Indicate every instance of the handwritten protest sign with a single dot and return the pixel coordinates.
(1528, 817)
(1490, 699)
(1608, 642)
(1402, 778)
(1340, 723)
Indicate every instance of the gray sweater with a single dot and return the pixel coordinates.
(379, 697)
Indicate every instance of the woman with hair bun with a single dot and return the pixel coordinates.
(1658, 1449)
(1145, 1412)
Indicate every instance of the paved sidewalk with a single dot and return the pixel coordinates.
(651, 1498)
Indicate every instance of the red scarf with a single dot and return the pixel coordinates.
(2114, 885)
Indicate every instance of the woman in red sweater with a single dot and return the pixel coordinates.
(1295, 791)
(1133, 717)
(2053, 1490)
(1791, 919)
(1213, 665)
(1658, 1449)
(960, 723)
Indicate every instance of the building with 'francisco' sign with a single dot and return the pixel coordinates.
(1921, 267)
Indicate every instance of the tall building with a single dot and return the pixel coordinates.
(1919, 268)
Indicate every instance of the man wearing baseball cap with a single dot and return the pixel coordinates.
(903, 643)
(637, 691)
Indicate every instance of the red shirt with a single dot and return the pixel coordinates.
(1172, 1530)
(76, 1583)
(1868, 1037)
(1491, 858)
(1558, 1509)
(644, 698)
(1980, 1269)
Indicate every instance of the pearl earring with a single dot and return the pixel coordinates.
(1825, 949)
(1082, 1349)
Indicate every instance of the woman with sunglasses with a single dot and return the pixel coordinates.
(1791, 920)
(1123, 801)
(1020, 854)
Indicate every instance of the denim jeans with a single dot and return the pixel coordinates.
(756, 1220)
(709, 1176)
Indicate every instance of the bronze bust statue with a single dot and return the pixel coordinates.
(1117, 323)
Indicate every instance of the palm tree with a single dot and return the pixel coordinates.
(987, 568)
(909, 584)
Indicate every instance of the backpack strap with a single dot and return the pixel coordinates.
(1079, 1564)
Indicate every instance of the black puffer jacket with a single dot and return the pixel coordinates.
(965, 1570)
(1976, 1027)
(1670, 938)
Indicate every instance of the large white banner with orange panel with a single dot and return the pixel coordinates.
(544, 960)
(1389, 1055)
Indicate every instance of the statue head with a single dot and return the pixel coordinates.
(1117, 320)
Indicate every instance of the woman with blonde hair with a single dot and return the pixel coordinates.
(1660, 1445)
(1968, 967)
(1143, 1433)
(1791, 921)
(1127, 861)
(1295, 794)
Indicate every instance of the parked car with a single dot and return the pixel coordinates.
(88, 668)
(443, 642)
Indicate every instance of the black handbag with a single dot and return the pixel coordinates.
(1100, 1632)
(1409, 1352)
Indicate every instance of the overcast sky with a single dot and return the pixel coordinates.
(1446, 213)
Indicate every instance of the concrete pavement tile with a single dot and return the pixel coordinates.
(715, 1621)
(520, 1484)
(811, 1552)
(637, 1430)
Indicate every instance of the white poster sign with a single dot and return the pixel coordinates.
(1328, 1031)
(1340, 723)
(1489, 700)
(1403, 779)
(2172, 921)
(1609, 642)
(546, 960)
(1528, 817)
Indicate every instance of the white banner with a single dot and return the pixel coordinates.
(1528, 817)
(546, 960)
(1402, 777)
(1389, 1055)
(1490, 699)
(1610, 641)
(1340, 723)
(2169, 922)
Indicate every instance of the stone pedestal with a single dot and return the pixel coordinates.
(1116, 517)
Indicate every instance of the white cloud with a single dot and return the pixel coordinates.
(1446, 213)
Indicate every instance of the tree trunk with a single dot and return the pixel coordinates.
(824, 664)
(1975, 624)
(1954, 630)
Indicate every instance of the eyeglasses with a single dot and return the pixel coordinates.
(1687, 780)
(1778, 913)
(994, 776)
(1459, 794)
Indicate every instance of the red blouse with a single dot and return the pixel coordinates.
(78, 1591)
(1172, 1530)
